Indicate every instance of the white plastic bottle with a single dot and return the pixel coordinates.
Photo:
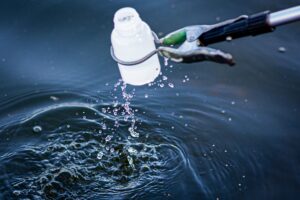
(132, 39)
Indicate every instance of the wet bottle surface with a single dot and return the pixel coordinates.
(132, 39)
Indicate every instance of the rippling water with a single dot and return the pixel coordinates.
(201, 131)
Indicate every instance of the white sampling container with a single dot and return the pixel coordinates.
(132, 39)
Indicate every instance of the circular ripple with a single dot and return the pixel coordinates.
(80, 152)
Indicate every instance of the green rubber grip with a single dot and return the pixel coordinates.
(176, 38)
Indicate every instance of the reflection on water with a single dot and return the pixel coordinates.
(70, 130)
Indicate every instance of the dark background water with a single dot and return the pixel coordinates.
(227, 133)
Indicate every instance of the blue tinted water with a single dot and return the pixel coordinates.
(219, 133)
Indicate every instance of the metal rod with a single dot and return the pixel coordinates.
(284, 16)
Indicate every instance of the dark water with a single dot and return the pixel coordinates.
(220, 133)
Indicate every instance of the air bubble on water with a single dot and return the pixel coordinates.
(185, 125)
(146, 96)
(37, 129)
(223, 111)
(165, 78)
(171, 85)
(106, 84)
(132, 151)
(171, 66)
(68, 125)
(84, 117)
(161, 85)
(233, 103)
(104, 126)
(172, 127)
(229, 119)
(180, 116)
(177, 94)
(100, 155)
(100, 131)
(103, 110)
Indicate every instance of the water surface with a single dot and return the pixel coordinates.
(219, 133)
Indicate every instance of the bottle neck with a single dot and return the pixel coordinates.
(127, 22)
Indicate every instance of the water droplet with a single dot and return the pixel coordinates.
(54, 98)
(108, 138)
(233, 103)
(161, 85)
(37, 129)
(171, 85)
(165, 78)
(229, 119)
(130, 161)
(166, 61)
(112, 150)
(100, 155)
(68, 125)
(228, 38)
(17, 192)
(132, 151)
(282, 49)
(132, 132)
(146, 96)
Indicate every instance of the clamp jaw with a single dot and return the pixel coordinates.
(191, 49)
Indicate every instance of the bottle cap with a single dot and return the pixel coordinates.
(127, 21)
